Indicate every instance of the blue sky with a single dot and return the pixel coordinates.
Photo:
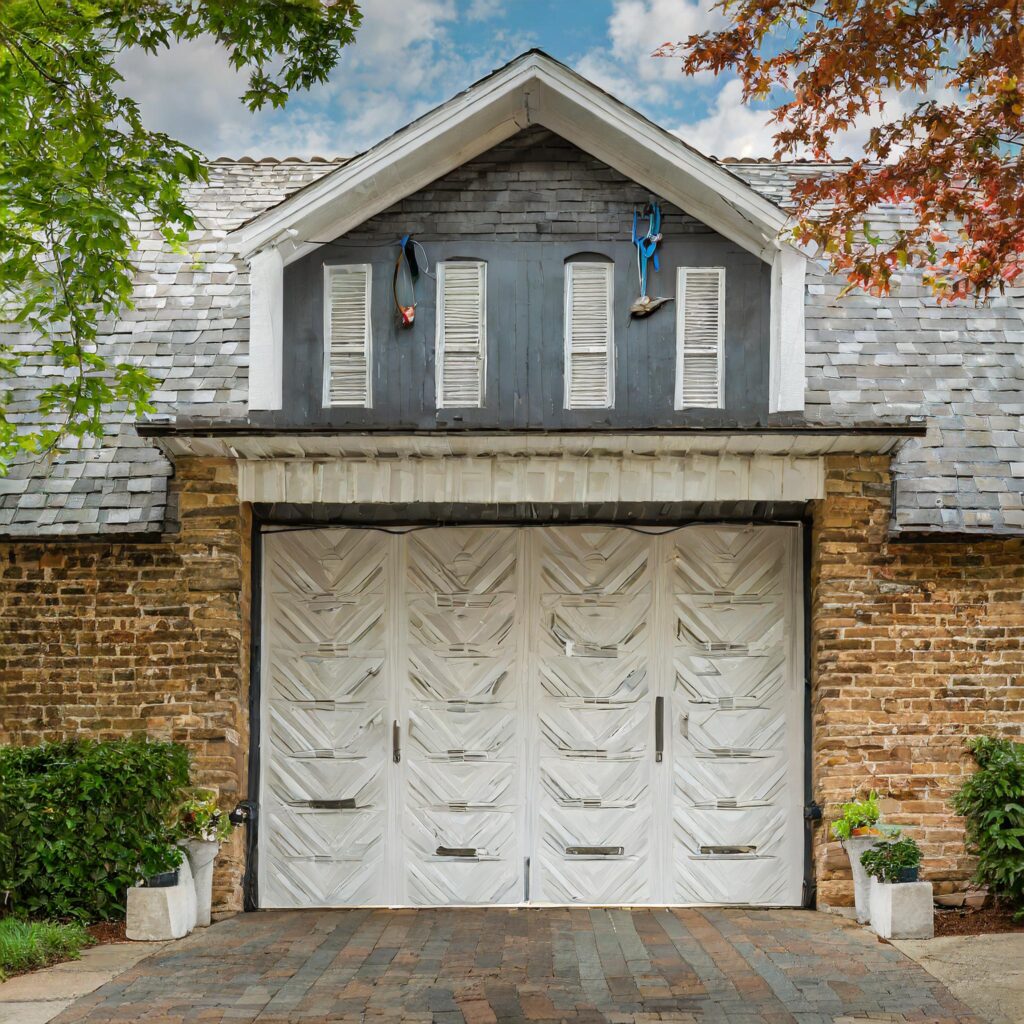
(410, 55)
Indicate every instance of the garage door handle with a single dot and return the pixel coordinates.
(659, 728)
(396, 742)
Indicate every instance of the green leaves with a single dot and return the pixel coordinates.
(992, 802)
(80, 167)
(887, 860)
(82, 821)
(857, 814)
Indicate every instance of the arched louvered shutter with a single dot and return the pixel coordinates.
(589, 352)
(461, 334)
(347, 336)
(700, 327)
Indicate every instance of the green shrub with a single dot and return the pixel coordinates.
(82, 821)
(992, 802)
(25, 945)
(887, 860)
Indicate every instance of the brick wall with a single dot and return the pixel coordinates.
(915, 646)
(111, 639)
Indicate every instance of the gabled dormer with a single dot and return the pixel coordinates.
(520, 193)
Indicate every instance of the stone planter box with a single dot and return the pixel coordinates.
(855, 846)
(201, 855)
(164, 913)
(902, 910)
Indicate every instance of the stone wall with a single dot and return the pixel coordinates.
(106, 639)
(915, 646)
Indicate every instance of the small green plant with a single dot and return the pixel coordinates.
(201, 818)
(82, 821)
(857, 814)
(992, 803)
(888, 861)
(25, 945)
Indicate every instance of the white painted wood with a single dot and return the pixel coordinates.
(444, 445)
(479, 479)
(787, 369)
(700, 337)
(266, 328)
(522, 667)
(461, 341)
(589, 336)
(348, 337)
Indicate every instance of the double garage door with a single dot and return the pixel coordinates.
(500, 715)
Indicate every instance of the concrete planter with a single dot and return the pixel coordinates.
(855, 846)
(902, 910)
(201, 855)
(164, 913)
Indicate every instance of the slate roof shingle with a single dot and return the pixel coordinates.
(867, 359)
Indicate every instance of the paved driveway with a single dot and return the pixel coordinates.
(482, 966)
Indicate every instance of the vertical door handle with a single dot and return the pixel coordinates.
(396, 742)
(659, 728)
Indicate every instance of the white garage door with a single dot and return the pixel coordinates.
(493, 715)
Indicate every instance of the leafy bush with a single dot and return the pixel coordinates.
(26, 945)
(82, 821)
(857, 814)
(200, 818)
(992, 802)
(887, 860)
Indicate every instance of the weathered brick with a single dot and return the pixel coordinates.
(111, 639)
(915, 646)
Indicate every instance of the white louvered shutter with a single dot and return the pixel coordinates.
(461, 334)
(588, 336)
(347, 336)
(700, 325)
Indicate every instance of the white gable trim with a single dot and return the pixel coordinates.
(533, 89)
(266, 328)
(787, 372)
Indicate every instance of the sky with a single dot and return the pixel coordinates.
(410, 55)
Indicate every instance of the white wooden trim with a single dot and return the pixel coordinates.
(682, 275)
(488, 480)
(568, 325)
(787, 359)
(266, 329)
(331, 270)
(439, 335)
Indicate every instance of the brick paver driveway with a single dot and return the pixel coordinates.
(481, 966)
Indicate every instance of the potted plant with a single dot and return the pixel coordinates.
(901, 906)
(859, 830)
(202, 827)
(896, 862)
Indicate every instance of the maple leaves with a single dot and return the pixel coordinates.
(954, 162)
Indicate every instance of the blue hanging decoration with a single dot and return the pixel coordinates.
(647, 252)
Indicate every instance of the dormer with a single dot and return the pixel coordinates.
(524, 324)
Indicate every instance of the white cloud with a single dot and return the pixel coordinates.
(635, 28)
(403, 62)
(732, 129)
(484, 10)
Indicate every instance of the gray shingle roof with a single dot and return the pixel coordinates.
(867, 358)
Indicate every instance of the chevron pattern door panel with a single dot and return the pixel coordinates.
(594, 802)
(463, 795)
(326, 719)
(736, 715)
(492, 715)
